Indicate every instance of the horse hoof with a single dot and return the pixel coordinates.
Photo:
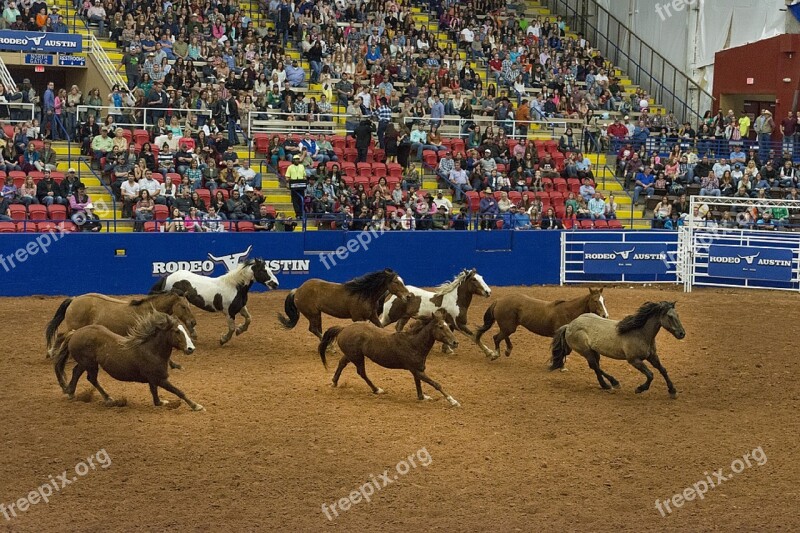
(425, 397)
(640, 390)
(453, 401)
(110, 402)
(615, 385)
(162, 403)
(223, 340)
(673, 394)
(564, 369)
(380, 391)
(175, 366)
(508, 354)
(198, 407)
(334, 384)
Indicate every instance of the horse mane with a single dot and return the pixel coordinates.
(419, 324)
(370, 286)
(242, 274)
(149, 298)
(145, 328)
(450, 286)
(640, 318)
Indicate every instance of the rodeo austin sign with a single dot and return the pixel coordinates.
(206, 267)
(27, 41)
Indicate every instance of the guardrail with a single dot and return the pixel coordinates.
(19, 112)
(138, 117)
(107, 67)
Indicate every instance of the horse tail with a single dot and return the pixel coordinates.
(159, 286)
(292, 315)
(559, 349)
(52, 326)
(328, 338)
(488, 321)
(60, 357)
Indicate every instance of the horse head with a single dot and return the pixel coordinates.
(263, 274)
(670, 320)
(182, 311)
(178, 336)
(476, 285)
(597, 303)
(397, 287)
(441, 330)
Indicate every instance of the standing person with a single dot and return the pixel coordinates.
(74, 99)
(49, 110)
(363, 135)
(296, 179)
(764, 127)
(384, 114)
(157, 100)
(232, 112)
(788, 130)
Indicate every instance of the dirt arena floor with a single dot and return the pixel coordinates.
(529, 450)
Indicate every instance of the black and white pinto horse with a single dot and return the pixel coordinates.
(454, 297)
(226, 294)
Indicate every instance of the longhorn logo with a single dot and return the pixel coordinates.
(749, 258)
(37, 40)
(625, 254)
(231, 260)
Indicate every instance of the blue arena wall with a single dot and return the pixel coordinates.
(130, 263)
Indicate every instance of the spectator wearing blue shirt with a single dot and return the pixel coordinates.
(488, 209)
(49, 107)
(597, 207)
(373, 55)
(644, 182)
(437, 111)
(520, 219)
(586, 190)
(295, 75)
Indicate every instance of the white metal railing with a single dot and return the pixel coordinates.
(6, 78)
(107, 67)
(276, 121)
(137, 117)
(19, 112)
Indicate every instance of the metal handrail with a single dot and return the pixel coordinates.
(23, 105)
(6, 78)
(107, 67)
(656, 84)
(82, 109)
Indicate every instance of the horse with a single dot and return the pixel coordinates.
(358, 299)
(537, 316)
(141, 356)
(631, 339)
(117, 315)
(227, 293)
(454, 297)
(405, 350)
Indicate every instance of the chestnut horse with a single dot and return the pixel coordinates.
(537, 316)
(631, 339)
(142, 356)
(405, 350)
(117, 315)
(358, 299)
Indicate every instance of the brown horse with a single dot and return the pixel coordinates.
(537, 316)
(141, 357)
(358, 299)
(117, 315)
(406, 350)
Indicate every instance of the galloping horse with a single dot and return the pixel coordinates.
(631, 339)
(358, 299)
(117, 315)
(227, 293)
(537, 316)
(406, 350)
(454, 297)
(140, 357)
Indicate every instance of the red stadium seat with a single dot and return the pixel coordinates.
(8, 227)
(26, 226)
(568, 223)
(141, 137)
(261, 142)
(338, 142)
(585, 224)
(614, 224)
(515, 197)
(57, 176)
(364, 169)
(159, 177)
(271, 210)
(282, 166)
(37, 212)
(46, 226)
(245, 225)
(36, 175)
(350, 155)
(204, 195)
(188, 141)
(600, 224)
(349, 169)
(160, 212)
(473, 200)
(379, 170)
(394, 170)
(150, 226)
(17, 212)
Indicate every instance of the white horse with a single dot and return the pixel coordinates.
(454, 297)
(227, 293)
